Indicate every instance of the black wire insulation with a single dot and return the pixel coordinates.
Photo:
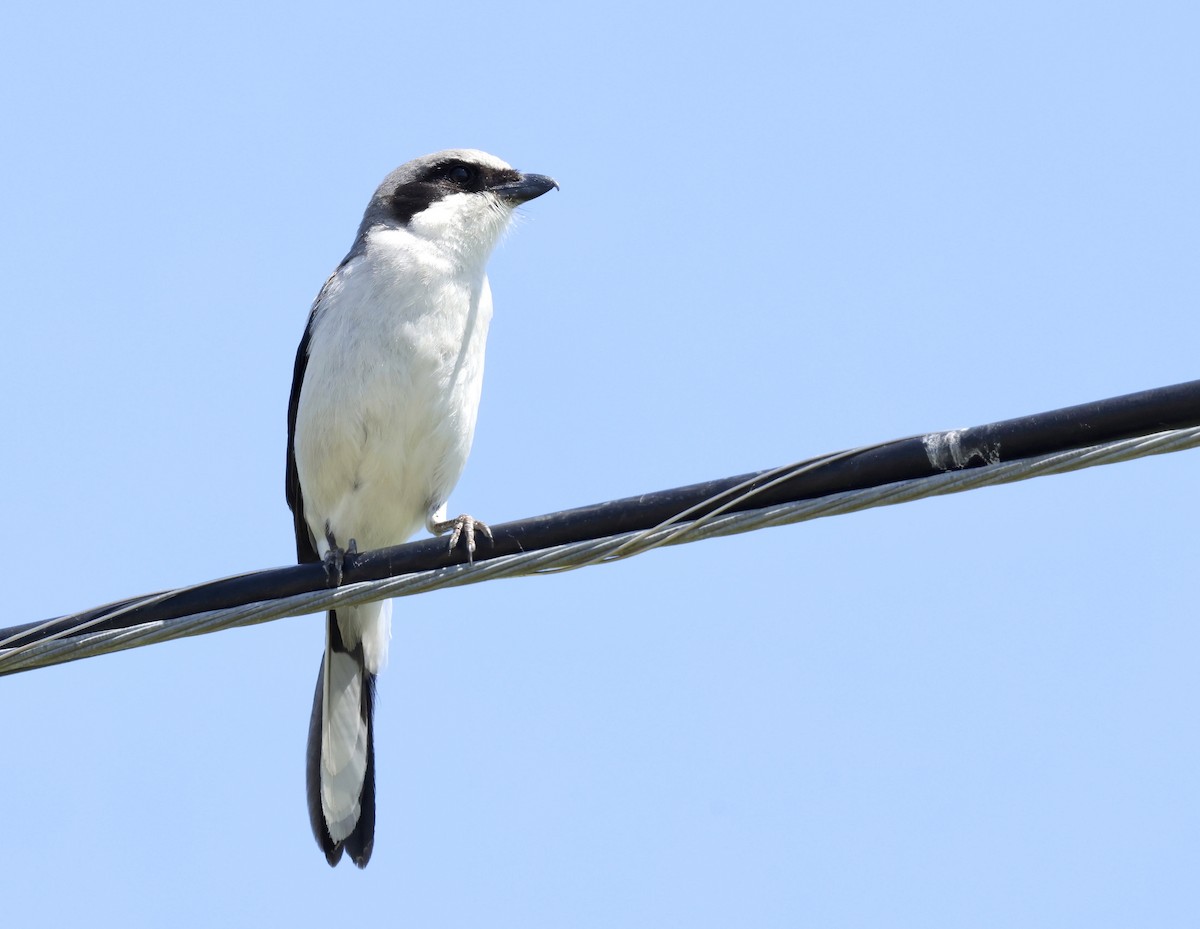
(1128, 416)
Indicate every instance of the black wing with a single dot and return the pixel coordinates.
(306, 550)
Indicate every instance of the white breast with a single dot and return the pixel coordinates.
(387, 411)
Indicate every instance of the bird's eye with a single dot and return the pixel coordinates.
(461, 174)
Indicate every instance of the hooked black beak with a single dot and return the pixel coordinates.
(525, 188)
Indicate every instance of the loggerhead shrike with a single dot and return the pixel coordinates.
(380, 421)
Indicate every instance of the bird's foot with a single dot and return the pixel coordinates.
(335, 559)
(461, 528)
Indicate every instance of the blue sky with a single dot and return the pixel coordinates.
(783, 229)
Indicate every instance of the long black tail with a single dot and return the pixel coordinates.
(340, 770)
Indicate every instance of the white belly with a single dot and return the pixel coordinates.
(387, 412)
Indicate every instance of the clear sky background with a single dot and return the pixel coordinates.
(783, 229)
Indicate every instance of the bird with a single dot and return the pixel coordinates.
(381, 418)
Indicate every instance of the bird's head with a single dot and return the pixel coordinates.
(461, 199)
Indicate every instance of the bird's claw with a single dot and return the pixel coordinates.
(335, 560)
(463, 528)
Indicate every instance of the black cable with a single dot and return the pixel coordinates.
(1163, 408)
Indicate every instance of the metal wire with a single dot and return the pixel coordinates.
(75, 642)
